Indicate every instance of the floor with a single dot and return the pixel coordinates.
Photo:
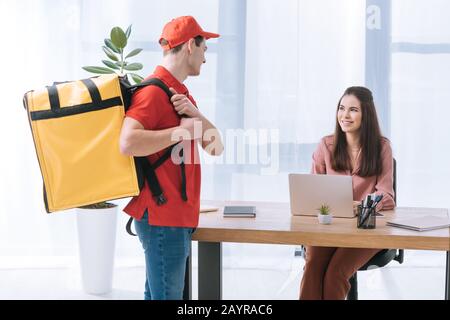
(421, 276)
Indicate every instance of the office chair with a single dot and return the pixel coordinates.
(379, 260)
(382, 258)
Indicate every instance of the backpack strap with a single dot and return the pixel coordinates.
(183, 177)
(128, 227)
(153, 82)
(150, 175)
(153, 183)
(148, 168)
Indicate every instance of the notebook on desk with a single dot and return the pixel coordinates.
(205, 209)
(239, 211)
(424, 223)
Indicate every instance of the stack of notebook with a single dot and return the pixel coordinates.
(424, 223)
(239, 211)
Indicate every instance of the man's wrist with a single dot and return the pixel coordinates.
(177, 134)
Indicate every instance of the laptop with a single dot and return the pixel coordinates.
(309, 191)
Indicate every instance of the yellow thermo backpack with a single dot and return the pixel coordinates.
(76, 128)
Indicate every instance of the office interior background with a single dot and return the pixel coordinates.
(277, 65)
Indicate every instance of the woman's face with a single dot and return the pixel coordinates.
(349, 114)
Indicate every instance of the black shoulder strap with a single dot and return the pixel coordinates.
(150, 175)
(154, 82)
(131, 233)
(148, 168)
(152, 179)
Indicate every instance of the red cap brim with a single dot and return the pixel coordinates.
(209, 35)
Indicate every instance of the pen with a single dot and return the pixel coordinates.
(366, 200)
(363, 209)
(371, 208)
(363, 217)
(377, 200)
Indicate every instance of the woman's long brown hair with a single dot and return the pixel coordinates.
(369, 137)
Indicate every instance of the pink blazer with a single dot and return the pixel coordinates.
(362, 186)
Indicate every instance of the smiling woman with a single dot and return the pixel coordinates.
(357, 133)
(356, 149)
(349, 113)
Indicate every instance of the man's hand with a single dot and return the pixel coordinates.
(183, 106)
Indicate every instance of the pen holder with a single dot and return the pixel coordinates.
(366, 218)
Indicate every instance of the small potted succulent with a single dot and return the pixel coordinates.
(325, 216)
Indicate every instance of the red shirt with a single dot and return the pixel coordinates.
(152, 108)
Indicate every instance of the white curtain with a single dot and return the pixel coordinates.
(294, 58)
(40, 44)
(298, 63)
(420, 101)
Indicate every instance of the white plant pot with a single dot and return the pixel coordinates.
(97, 240)
(325, 218)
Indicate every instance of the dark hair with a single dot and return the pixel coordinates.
(369, 137)
(198, 41)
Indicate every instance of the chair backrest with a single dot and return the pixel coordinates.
(395, 179)
(383, 257)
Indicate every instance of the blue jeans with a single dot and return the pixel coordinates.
(166, 251)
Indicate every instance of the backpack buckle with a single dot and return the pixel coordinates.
(160, 200)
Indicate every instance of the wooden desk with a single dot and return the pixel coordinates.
(274, 224)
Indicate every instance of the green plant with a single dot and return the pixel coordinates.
(114, 49)
(324, 209)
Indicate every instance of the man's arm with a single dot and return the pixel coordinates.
(138, 142)
(211, 140)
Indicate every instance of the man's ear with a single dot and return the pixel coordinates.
(190, 45)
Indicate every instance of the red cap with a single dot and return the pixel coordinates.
(181, 29)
